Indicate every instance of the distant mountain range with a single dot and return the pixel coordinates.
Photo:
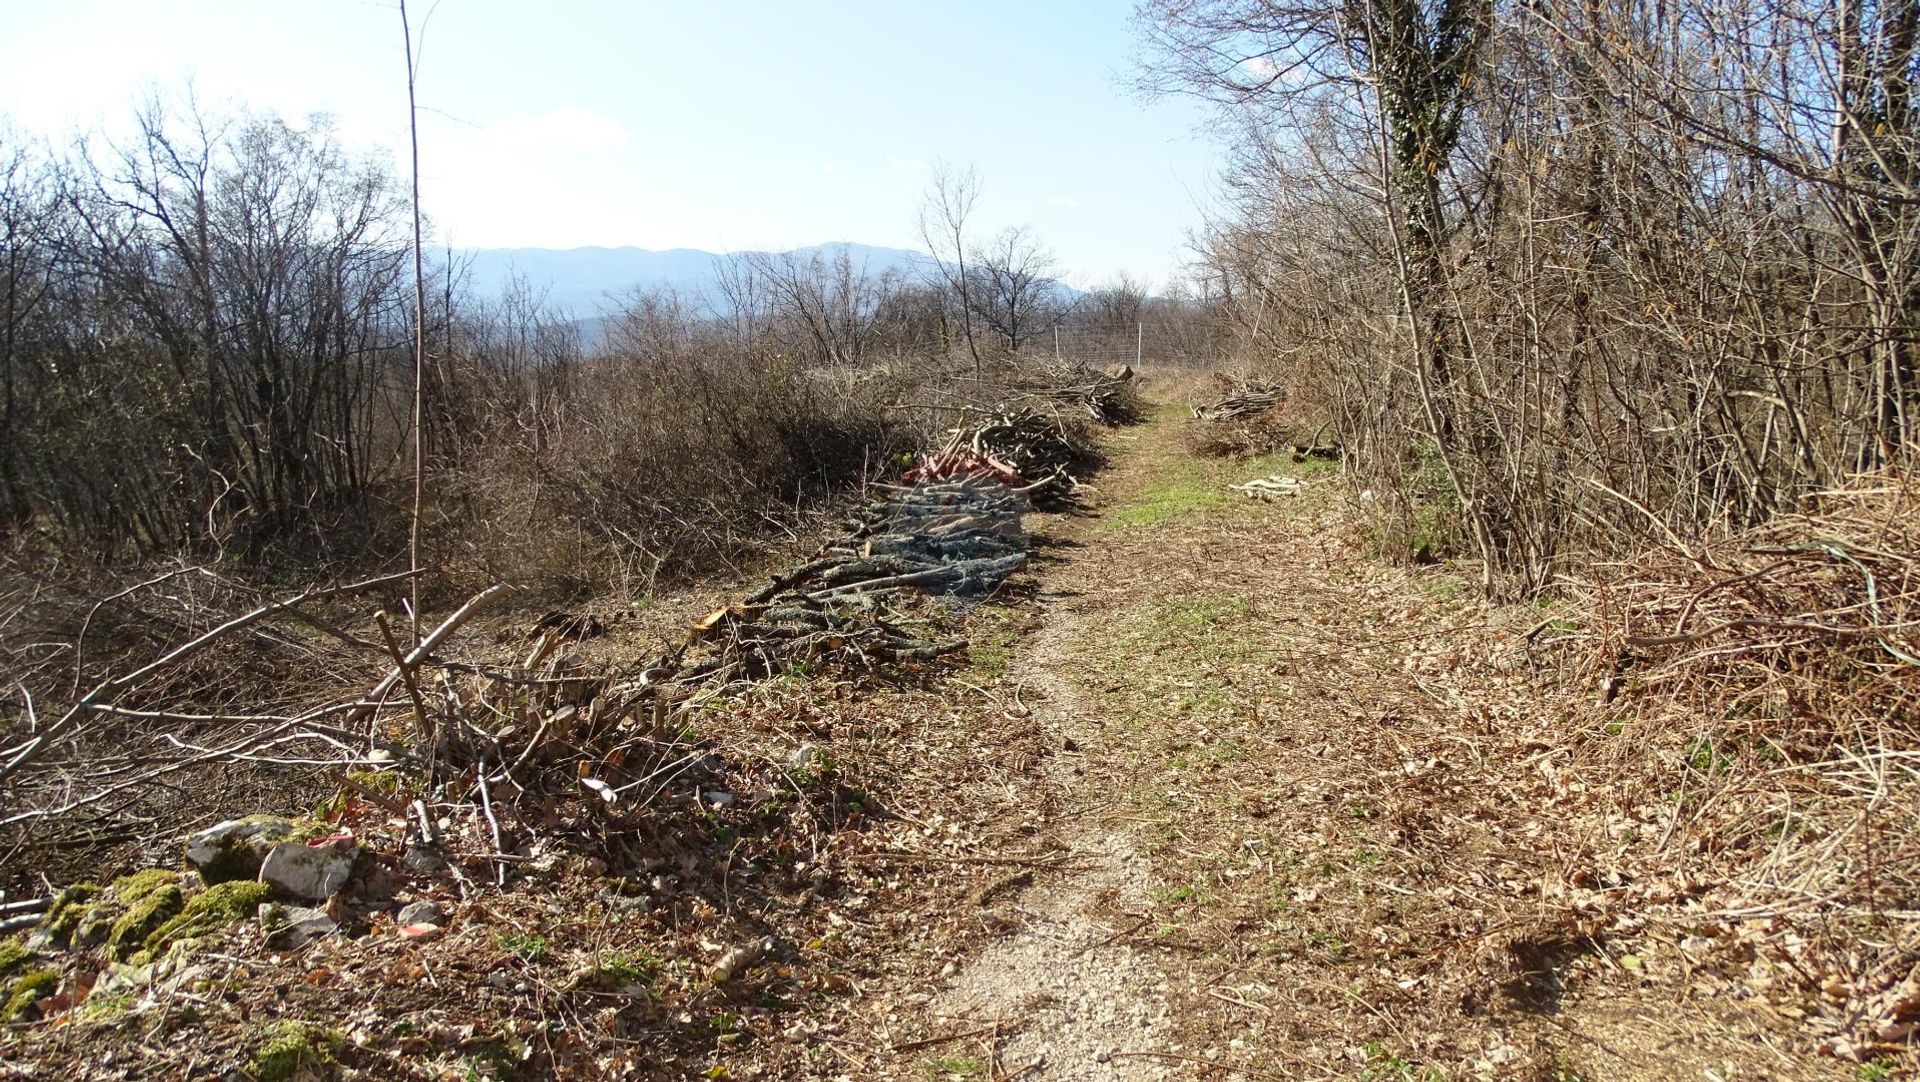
(587, 281)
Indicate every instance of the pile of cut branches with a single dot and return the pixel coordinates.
(1244, 399)
(1250, 418)
(848, 605)
(1036, 452)
(1762, 697)
(1108, 397)
(857, 607)
(463, 763)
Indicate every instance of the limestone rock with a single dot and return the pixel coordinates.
(806, 759)
(424, 860)
(422, 912)
(235, 849)
(293, 926)
(313, 872)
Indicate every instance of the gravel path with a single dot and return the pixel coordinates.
(1077, 1001)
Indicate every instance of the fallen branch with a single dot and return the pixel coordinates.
(427, 645)
(26, 753)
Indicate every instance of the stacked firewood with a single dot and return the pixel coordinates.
(1243, 400)
(956, 535)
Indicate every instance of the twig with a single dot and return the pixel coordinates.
(493, 824)
(346, 781)
(902, 854)
(26, 753)
(1208, 1063)
(1238, 1002)
(429, 835)
(1119, 935)
(424, 727)
(930, 1042)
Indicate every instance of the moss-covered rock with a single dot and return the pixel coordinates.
(121, 915)
(27, 992)
(70, 909)
(155, 904)
(13, 955)
(138, 885)
(213, 909)
(293, 1049)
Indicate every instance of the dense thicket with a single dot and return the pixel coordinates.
(208, 352)
(201, 334)
(1566, 274)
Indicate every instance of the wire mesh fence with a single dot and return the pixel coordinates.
(1182, 343)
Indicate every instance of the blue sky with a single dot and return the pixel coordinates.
(744, 125)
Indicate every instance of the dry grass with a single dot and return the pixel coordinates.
(636, 471)
(1378, 847)
(1760, 710)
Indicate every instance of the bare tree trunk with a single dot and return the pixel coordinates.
(419, 339)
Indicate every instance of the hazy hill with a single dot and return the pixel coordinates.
(580, 280)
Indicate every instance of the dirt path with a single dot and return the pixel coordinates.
(1302, 802)
(1078, 1000)
(1083, 987)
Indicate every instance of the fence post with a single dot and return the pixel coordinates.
(1139, 333)
(1056, 343)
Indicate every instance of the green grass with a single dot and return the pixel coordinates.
(1200, 613)
(528, 948)
(1165, 503)
(1189, 487)
(1197, 893)
(948, 1068)
(614, 970)
(295, 1049)
(97, 1008)
(1566, 1072)
(994, 637)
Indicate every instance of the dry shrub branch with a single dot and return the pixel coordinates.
(1760, 707)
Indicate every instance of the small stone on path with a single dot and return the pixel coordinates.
(423, 912)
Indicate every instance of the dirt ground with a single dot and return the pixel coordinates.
(1220, 794)
(1304, 836)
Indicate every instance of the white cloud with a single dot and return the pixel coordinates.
(1266, 69)
(826, 169)
(1063, 201)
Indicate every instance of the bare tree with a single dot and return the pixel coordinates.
(823, 304)
(31, 224)
(1012, 288)
(944, 214)
(739, 298)
(1563, 273)
(1119, 301)
(209, 340)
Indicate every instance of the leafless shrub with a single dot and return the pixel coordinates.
(676, 448)
(1759, 700)
(1610, 271)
